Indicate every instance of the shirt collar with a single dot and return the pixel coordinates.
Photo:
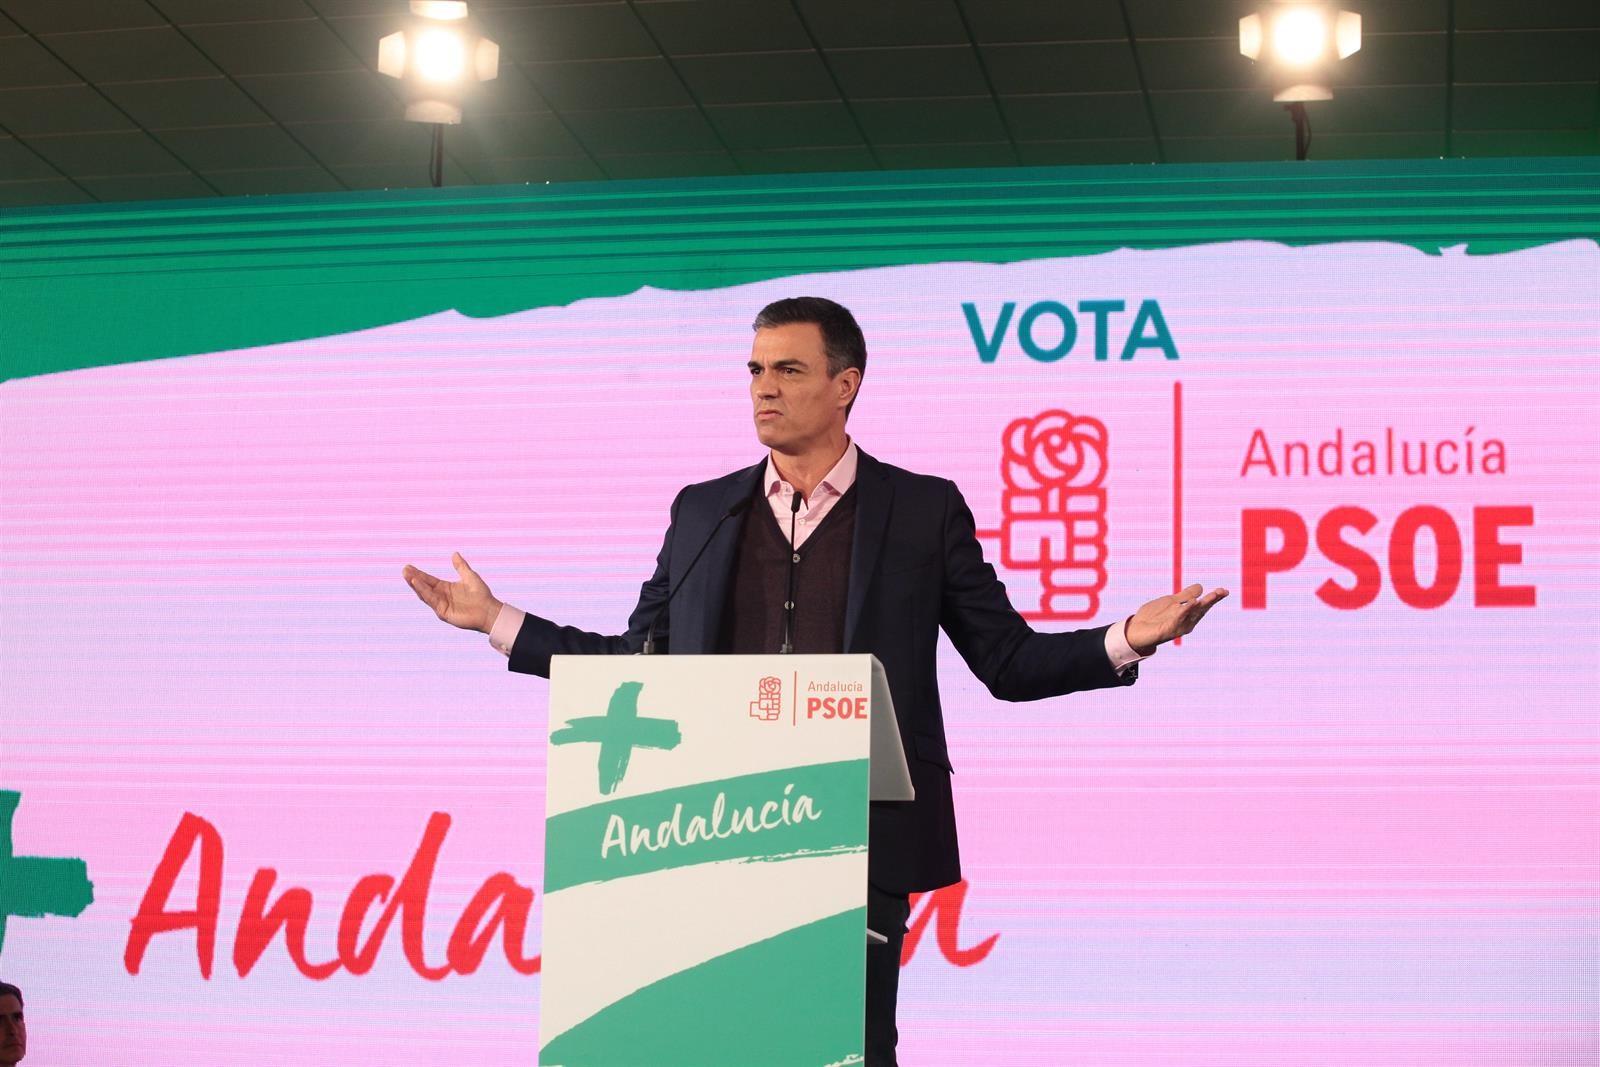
(835, 483)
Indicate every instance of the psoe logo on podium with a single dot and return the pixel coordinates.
(1052, 532)
(768, 704)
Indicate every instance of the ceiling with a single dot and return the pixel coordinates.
(112, 100)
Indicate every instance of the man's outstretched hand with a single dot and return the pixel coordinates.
(1170, 616)
(466, 603)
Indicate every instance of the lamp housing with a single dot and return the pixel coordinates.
(439, 57)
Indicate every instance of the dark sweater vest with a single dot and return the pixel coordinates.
(752, 619)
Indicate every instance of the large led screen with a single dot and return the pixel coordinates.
(258, 805)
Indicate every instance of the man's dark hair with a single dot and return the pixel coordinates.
(7, 989)
(841, 337)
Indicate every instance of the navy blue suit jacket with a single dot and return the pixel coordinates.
(915, 566)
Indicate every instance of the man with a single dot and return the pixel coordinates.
(13, 1030)
(885, 559)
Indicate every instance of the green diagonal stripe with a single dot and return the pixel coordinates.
(793, 1000)
(774, 815)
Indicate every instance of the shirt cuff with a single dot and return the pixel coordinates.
(1118, 651)
(503, 634)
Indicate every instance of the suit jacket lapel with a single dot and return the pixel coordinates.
(717, 568)
(874, 497)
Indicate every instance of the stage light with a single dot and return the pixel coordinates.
(439, 57)
(1299, 43)
(1298, 37)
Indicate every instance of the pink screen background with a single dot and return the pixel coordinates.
(1307, 836)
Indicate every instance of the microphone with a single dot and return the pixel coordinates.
(739, 508)
(794, 557)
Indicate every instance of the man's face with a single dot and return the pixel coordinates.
(13, 1032)
(797, 405)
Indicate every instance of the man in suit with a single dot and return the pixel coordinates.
(884, 559)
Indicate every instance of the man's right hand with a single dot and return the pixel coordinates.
(466, 603)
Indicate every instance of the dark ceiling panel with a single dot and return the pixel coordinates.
(1014, 21)
(1102, 66)
(1087, 115)
(917, 157)
(1086, 152)
(335, 97)
(360, 35)
(671, 129)
(853, 24)
(399, 175)
(806, 160)
(1378, 145)
(699, 27)
(1220, 113)
(42, 193)
(581, 31)
(67, 16)
(304, 46)
(949, 70)
(235, 148)
(1527, 142)
(357, 8)
(25, 64)
(495, 136)
(18, 162)
(509, 93)
(369, 143)
(1328, 146)
(269, 182)
(1542, 15)
(785, 125)
(669, 165)
(608, 88)
(538, 169)
(63, 109)
(1533, 56)
(1185, 149)
(1392, 109)
(129, 187)
(903, 122)
(191, 102)
(757, 79)
(608, 83)
(1396, 59)
(194, 12)
(130, 55)
(1197, 63)
(1526, 107)
(1404, 16)
(1219, 19)
(99, 154)
(1190, 18)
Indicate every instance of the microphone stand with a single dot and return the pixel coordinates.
(794, 558)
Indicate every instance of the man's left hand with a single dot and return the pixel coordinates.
(1167, 617)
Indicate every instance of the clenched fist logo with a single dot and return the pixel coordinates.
(1052, 533)
(768, 704)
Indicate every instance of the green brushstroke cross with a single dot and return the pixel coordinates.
(619, 731)
(33, 886)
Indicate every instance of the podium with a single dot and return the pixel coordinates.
(706, 858)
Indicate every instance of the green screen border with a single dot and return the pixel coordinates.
(92, 285)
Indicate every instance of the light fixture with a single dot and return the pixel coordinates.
(439, 57)
(1298, 44)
